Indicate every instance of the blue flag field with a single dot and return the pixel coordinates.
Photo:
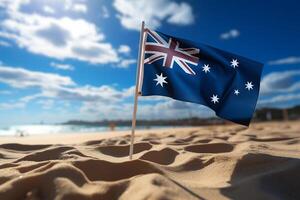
(198, 73)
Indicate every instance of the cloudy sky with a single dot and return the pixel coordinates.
(76, 59)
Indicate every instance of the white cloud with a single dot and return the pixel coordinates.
(86, 93)
(75, 6)
(62, 66)
(13, 5)
(233, 33)
(124, 49)
(183, 14)
(131, 13)
(128, 92)
(59, 87)
(29, 98)
(79, 8)
(48, 9)
(285, 61)
(279, 99)
(4, 44)
(59, 38)
(125, 63)
(22, 78)
(283, 81)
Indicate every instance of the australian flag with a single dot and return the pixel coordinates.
(192, 72)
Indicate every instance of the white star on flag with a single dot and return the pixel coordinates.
(160, 79)
(206, 68)
(249, 86)
(234, 63)
(236, 92)
(215, 99)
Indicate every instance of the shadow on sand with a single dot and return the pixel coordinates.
(262, 176)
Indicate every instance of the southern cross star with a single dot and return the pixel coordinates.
(160, 79)
(234, 63)
(206, 68)
(236, 92)
(215, 99)
(249, 86)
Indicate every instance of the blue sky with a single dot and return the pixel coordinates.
(76, 59)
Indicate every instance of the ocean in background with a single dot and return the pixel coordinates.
(26, 130)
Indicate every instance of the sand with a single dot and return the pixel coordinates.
(213, 162)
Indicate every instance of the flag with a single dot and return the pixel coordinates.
(198, 73)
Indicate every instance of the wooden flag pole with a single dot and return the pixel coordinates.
(138, 75)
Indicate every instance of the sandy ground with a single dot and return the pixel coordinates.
(215, 162)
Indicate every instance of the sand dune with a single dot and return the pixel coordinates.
(216, 162)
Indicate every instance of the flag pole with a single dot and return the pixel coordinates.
(140, 63)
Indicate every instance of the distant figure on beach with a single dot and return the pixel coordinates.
(112, 126)
(285, 115)
(20, 133)
(269, 116)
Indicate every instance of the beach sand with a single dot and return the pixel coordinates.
(212, 162)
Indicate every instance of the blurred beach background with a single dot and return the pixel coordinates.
(26, 130)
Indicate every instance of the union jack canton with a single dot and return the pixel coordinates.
(170, 51)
